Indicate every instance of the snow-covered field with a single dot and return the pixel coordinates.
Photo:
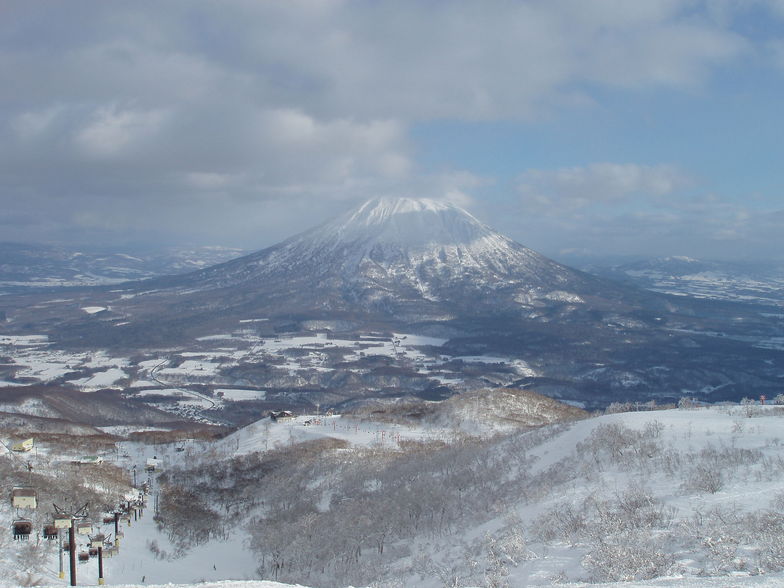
(175, 373)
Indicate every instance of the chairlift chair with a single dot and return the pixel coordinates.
(84, 556)
(62, 521)
(97, 541)
(50, 532)
(24, 497)
(22, 529)
(84, 528)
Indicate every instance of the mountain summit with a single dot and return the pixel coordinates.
(406, 222)
(416, 241)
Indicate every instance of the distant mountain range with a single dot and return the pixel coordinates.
(28, 265)
(760, 282)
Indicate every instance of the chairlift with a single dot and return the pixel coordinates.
(50, 532)
(84, 528)
(62, 521)
(24, 497)
(22, 529)
(97, 541)
(84, 556)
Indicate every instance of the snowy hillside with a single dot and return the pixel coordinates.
(678, 497)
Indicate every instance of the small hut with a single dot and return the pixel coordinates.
(153, 464)
(26, 445)
(277, 416)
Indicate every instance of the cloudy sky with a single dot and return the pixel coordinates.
(650, 127)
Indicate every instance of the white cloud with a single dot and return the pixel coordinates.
(394, 59)
(221, 113)
(565, 190)
(210, 181)
(112, 131)
(292, 145)
(32, 124)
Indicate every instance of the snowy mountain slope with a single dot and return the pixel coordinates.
(62, 407)
(758, 582)
(687, 497)
(482, 412)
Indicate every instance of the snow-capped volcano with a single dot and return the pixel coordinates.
(384, 262)
(403, 257)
